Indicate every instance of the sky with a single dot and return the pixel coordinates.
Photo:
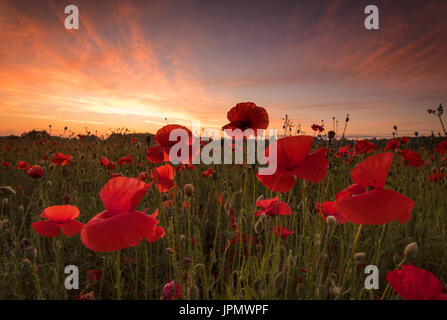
(142, 64)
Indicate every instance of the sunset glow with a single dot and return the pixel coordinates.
(135, 64)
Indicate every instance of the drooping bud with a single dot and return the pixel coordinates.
(259, 225)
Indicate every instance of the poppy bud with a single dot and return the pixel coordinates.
(5, 202)
(331, 221)
(359, 257)
(442, 169)
(193, 293)
(259, 226)
(21, 209)
(49, 183)
(278, 280)
(411, 250)
(182, 238)
(169, 251)
(434, 170)
(261, 197)
(30, 253)
(331, 135)
(189, 190)
(24, 243)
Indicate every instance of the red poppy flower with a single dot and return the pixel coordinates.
(412, 158)
(283, 232)
(413, 283)
(107, 163)
(330, 209)
(441, 148)
(378, 205)
(247, 115)
(171, 291)
(273, 207)
(6, 164)
(294, 160)
(160, 152)
(163, 178)
(208, 172)
(437, 176)
(22, 165)
(35, 172)
(58, 218)
(121, 225)
(125, 160)
(60, 159)
(404, 140)
(316, 127)
(344, 151)
(392, 145)
(133, 140)
(363, 146)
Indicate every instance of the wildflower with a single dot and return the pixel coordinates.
(208, 172)
(412, 158)
(171, 291)
(35, 172)
(125, 160)
(163, 178)
(295, 161)
(329, 209)
(273, 207)
(378, 205)
(363, 146)
(247, 115)
(121, 225)
(22, 165)
(413, 283)
(58, 218)
(318, 128)
(392, 145)
(60, 159)
(283, 232)
(160, 152)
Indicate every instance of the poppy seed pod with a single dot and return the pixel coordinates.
(188, 189)
(411, 250)
(169, 250)
(331, 221)
(30, 253)
(359, 257)
(331, 135)
(193, 293)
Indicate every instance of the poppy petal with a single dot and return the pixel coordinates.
(71, 227)
(413, 283)
(156, 154)
(105, 234)
(280, 181)
(60, 213)
(46, 228)
(122, 194)
(373, 170)
(314, 166)
(376, 207)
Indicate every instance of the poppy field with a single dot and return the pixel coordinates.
(137, 226)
